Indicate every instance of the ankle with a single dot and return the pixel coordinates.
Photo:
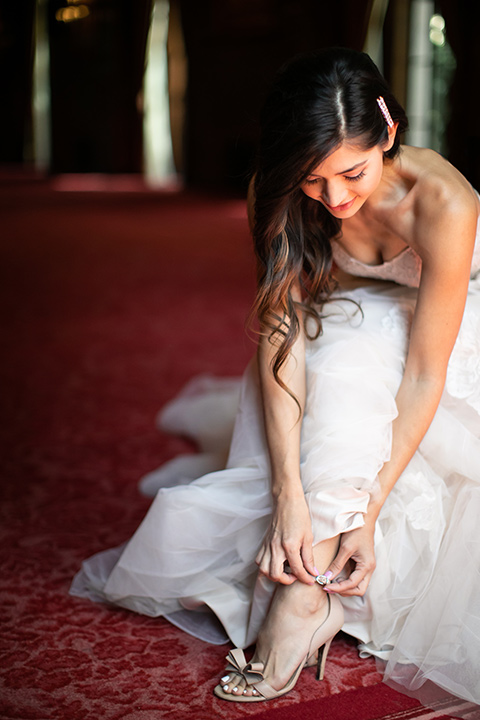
(307, 601)
(315, 602)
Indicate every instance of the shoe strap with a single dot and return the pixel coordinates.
(254, 675)
(256, 668)
(266, 690)
(236, 660)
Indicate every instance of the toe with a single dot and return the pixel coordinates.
(233, 683)
(239, 686)
(249, 691)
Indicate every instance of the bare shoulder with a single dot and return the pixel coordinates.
(443, 210)
(438, 188)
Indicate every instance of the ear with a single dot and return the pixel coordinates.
(392, 132)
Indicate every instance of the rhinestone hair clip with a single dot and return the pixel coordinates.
(384, 110)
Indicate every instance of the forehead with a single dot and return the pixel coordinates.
(345, 156)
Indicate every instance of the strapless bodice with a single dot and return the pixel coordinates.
(404, 269)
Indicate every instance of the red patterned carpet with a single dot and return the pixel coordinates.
(110, 303)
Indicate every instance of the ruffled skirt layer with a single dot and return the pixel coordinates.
(192, 558)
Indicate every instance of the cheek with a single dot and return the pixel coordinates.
(373, 181)
(310, 191)
(367, 187)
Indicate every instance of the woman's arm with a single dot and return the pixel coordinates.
(289, 538)
(446, 237)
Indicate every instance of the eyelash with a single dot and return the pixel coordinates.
(355, 178)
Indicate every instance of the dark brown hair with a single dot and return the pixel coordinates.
(317, 101)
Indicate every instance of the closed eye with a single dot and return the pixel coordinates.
(355, 178)
(350, 178)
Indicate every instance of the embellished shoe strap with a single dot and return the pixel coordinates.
(236, 661)
(252, 672)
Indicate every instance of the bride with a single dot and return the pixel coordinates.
(351, 494)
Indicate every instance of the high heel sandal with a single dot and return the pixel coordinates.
(253, 673)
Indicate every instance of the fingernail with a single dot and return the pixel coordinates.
(328, 574)
(225, 679)
(317, 572)
(225, 688)
(326, 589)
(235, 690)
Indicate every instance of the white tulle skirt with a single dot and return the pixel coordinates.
(192, 558)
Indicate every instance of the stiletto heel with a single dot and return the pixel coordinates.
(254, 673)
(322, 659)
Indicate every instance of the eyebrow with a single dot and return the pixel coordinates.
(344, 172)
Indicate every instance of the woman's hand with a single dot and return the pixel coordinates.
(289, 541)
(356, 553)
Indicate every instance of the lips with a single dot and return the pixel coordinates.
(341, 208)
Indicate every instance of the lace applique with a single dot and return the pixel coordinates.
(420, 502)
(422, 511)
(463, 376)
(397, 324)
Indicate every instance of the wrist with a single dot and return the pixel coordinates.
(373, 511)
(287, 489)
(378, 495)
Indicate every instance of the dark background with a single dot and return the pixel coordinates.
(233, 48)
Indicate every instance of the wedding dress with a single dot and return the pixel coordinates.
(192, 558)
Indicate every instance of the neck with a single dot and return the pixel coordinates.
(385, 194)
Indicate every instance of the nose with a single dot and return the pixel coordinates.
(334, 195)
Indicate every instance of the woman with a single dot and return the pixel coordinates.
(331, 466)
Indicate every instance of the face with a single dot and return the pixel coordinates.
(345, 180)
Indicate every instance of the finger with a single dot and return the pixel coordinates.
(278, 574)
(262, 558)
(297, 567)
(267, 566)
(286, 579)
(339, 562)
(358, 591)
(354, 580)
(308, 559)
(273, 566)
(281, 577)
(352, 586)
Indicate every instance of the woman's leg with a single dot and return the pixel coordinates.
(296, 611)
